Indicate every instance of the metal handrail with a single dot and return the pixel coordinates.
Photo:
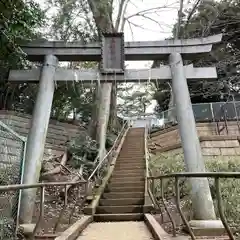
(216, 176)
(146, 153)
(224, 117)
(150, 187)
(36, 185)
(42, 186)
(2, 124)
(109, 152)
(199, 174)
(222, 110)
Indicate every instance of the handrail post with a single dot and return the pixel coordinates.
(236, 112)
(167, 211)
(220, 209)
(42, 200)
(177, 190)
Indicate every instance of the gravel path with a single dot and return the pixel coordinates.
(116, 231)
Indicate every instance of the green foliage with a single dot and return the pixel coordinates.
(133, 100)
(83, 150)
(72, 98)
(214, 18)
(19, 21)
(23, 20)
(209, 18)
(71, 21)
(230, 192)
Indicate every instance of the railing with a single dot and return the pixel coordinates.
(211, 112)
(223, 112)
(146, 155)
(100, 170)
(149, 184)
(79, 199)
(12, 155)
(154, 180)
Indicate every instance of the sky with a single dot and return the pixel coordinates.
(158, 29)
(163, 14)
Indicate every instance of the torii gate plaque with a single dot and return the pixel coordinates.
(175, 50)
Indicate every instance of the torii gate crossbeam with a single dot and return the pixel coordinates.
(131, 75)
(133, 51)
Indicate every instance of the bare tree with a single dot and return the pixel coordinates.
(102, 14)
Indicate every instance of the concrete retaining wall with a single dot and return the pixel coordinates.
(225, 144)
(10, 147)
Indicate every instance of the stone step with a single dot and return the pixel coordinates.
(129, 168)
(129, 145)
(119, 209)
(131, 156)
(137, 152)
(125, 164)
(121, 202)
(128, 172)
(131, 159)
(129, 165)
(123, 184)
(125, 189)
(118, 217)
(127, 179)
(133, 142)
(120, 174)
(116, 195)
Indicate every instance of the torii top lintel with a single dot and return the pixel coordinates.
(133, 51)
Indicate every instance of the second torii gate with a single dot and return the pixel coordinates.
(112, 52)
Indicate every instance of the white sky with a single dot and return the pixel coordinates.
(158, 29)
(150, 31)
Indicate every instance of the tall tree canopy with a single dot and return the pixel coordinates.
(19, 20)
(205, 19)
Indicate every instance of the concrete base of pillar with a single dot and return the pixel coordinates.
(207, 227)
(27, 229)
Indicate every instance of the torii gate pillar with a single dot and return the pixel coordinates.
(37, 137)
(203, 207)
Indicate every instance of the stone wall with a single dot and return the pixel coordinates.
(164, 139)
(224, 147)
(211, 147)
(212, 144)
(57, 136)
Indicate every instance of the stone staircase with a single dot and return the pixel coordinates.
(123, 198)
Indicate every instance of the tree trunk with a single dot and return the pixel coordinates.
(113, 108)
(103, 117)
(94, 117)
(171, 109)
(102, 14)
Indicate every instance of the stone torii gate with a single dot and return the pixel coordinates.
(112, 52)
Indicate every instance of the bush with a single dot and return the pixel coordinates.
(230, 190)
